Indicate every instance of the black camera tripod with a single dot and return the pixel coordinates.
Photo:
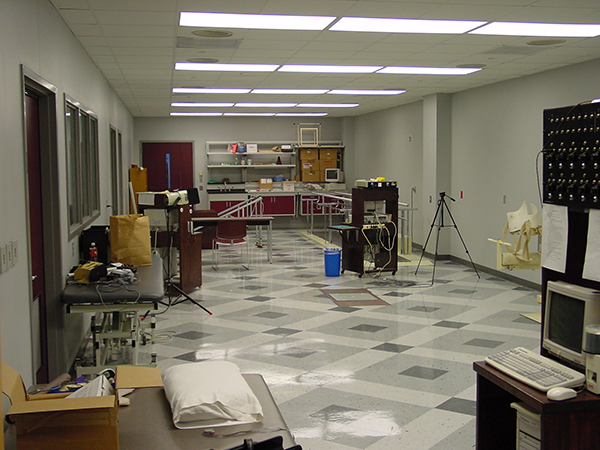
(439, 213)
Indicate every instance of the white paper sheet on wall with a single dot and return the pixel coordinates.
(591, 264)
(554, 242)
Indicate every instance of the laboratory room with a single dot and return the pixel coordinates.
(333, 225)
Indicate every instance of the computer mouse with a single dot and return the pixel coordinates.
(558, 394)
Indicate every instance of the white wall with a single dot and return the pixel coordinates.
(389, 143)
(33, 34)
(496, 134)
(496, 137)
(199, 130)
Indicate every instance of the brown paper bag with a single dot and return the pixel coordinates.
(130, 239)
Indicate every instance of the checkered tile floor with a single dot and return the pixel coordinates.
(346, 378)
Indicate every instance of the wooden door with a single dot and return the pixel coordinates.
(36, 235)
(170, 165)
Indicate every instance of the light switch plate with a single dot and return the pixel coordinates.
(15, 253)
(9, 255)
(3, 259)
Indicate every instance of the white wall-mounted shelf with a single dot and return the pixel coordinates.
(249, 166)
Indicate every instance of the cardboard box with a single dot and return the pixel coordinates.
(265, 184)
(251, 148)
(328, 153)
(309, 164)
(327, 164)
(310, 175)
(58, 423)
(131, 377)
(309, 153)
(288, 186)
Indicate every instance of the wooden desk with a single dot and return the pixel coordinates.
(567, 425)
(253, 220)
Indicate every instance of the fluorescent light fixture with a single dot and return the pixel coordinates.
(214, 114)
(217, 67)
(254, 21)
(367, 91)
(290, 114)
(201, 105)
(265, 105)
(290, 91)
(316, 68)
(327, 105)
(389, 25)
(209, 91)
(269, 114)
(573, 30)
(398, 70)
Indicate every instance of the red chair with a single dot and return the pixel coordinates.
(231, 233)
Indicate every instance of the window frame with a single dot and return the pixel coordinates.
(83, 172)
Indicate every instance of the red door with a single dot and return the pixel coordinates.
(36, 237)
(170, 165)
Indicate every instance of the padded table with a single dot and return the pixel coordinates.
(123, 308)
(147, 424)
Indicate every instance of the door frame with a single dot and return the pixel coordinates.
(47, 94)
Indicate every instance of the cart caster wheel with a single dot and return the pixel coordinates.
(394, 272)
(342, 271)
(360, 275)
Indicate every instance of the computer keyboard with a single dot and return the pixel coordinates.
(535, 370)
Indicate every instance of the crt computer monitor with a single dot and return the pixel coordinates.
(334, 176)
(568, 310)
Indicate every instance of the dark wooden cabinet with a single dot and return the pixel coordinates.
(363, 236)
(279, 205)
(567, 425)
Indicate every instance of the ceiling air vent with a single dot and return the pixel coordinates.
(513, 50)
(187, 42)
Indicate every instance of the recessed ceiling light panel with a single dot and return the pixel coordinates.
(290, 91)
(540, 29)
(327, 105)
(182, 90)
(254, 21)
(200, 105)
(265, 105)
(428, 70)
(391, 25)
(317, 68)
(226, 67)
(291, 114)
(198, 114)
(366, 91)
(269, 114)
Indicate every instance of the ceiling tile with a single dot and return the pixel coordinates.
(134, 43)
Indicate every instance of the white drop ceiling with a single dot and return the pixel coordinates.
(136, 43)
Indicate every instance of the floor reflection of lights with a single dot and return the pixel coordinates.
(346, 378)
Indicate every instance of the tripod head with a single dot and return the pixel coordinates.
(443, 195)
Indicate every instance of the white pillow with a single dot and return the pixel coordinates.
(210, 394)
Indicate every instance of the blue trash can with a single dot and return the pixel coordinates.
(333, 256)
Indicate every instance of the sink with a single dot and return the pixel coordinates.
(227, 191)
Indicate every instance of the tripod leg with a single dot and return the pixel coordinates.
(437, 241)
(187, 297)
(463, 243)
(429, 235)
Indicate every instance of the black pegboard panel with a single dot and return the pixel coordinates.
(571, 162)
